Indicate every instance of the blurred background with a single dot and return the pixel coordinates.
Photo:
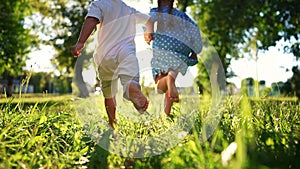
(256, 41)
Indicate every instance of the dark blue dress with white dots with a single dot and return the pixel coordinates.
(176, 37)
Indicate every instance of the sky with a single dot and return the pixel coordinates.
(40, 60)
(271, 65)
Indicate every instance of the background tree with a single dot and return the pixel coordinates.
(15, 39)
(229, 25)
(295, 81)
(61, 24)
(67, 24)
(232, 25)
(292, 86)
(43, 82)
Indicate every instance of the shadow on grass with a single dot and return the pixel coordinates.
(98, 158)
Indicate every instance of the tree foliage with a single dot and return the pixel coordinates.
(66, 19)
(292, 86)
(62, 24)
(230, 24)
(15, 39)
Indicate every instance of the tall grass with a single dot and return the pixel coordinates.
(266, 133)
(39, 136)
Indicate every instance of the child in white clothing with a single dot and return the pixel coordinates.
(115, 53)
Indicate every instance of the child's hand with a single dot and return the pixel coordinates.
(148, 37)
(76, 49)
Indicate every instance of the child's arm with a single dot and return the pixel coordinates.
(86, 30)
(148, 34)
(146, 20)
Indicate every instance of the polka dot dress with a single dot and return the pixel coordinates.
(172, 47)
(168, 54)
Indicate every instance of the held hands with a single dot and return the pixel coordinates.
(76, 49)
(148, 37)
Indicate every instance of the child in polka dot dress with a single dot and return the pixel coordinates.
(176, 43)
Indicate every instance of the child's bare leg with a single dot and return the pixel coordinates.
(172, 90)
(171, 94)
(136, 96)
(110, 106)
(167, 104)
(161, 82)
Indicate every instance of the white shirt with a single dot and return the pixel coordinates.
(117, 27)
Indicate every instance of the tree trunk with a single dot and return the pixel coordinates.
(9, 86)
(83, 91)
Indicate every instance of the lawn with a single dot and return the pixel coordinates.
(52, 131)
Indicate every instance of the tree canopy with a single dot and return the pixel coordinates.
(66, 19)
(15, 39)
(227, 24)
(231, 24)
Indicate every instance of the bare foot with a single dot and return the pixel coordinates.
(172, 91)
(141, 108)
(168, 104)
(138, 99)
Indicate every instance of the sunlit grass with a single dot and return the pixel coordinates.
(39, 136)
(36, 134)
(32, 98)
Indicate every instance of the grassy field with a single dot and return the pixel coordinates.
(45, 131)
